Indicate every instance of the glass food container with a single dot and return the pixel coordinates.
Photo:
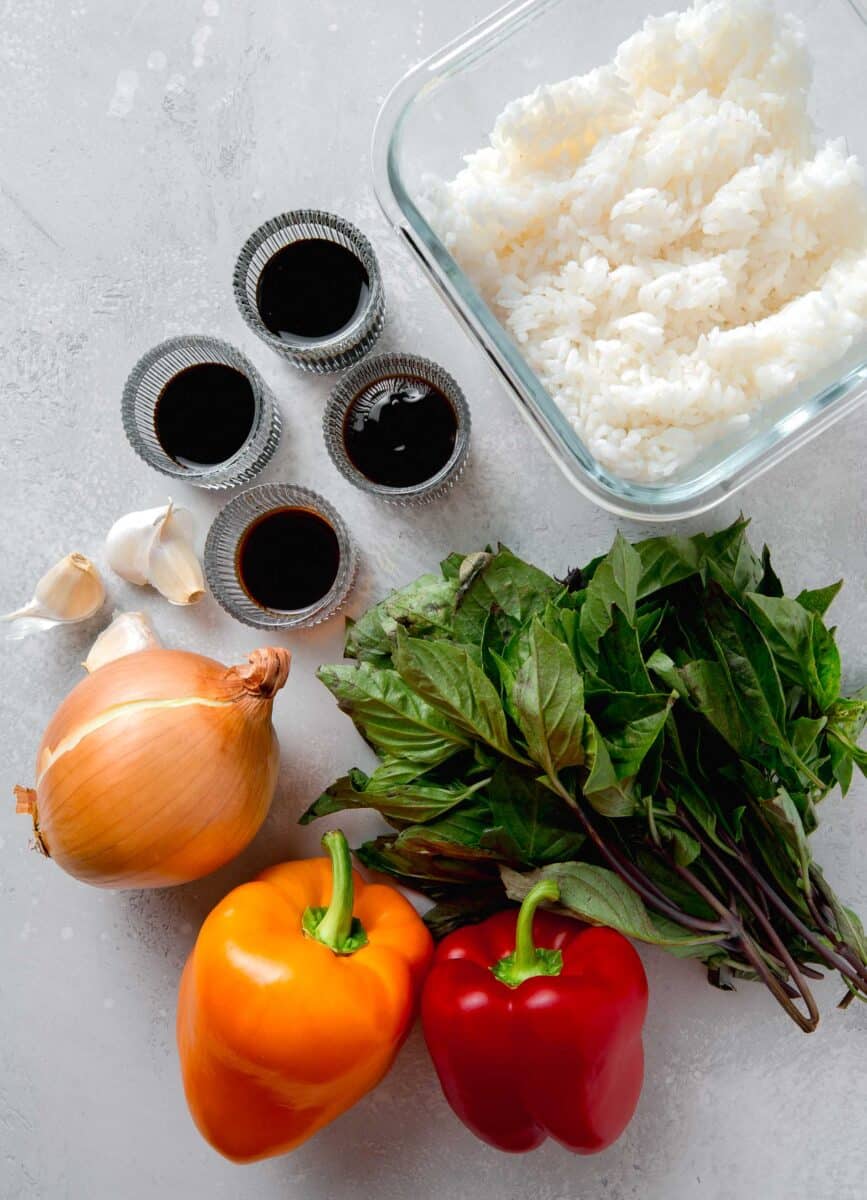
(446, 107)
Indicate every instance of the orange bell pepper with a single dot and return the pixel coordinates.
(290, 1011)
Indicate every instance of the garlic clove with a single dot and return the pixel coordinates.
(72, 590)
(155, 547)
(173, 568)
(129, 540)
(128, 633)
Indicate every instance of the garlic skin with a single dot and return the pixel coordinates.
(70, 591)
(128, 633)
(155, 547)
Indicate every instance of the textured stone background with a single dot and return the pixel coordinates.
(141, 141)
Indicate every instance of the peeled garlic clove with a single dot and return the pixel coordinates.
(70, 591)
(155, 547)
(128, 633)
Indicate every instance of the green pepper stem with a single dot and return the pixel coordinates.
(335, 925)
(526, 961)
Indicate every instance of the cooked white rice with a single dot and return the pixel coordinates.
(662, 238)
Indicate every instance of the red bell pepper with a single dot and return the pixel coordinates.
(530, 1042)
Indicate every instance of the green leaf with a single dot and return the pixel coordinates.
(467, 906)
(666, 561)
(603, 788)
(630, 725)
(663, 668)
(621, 663)
(411, 802)
(506, 582)
(451, 566)
(600, 897)
(846, 720)
(752, 673)
(784, 816)
(686, 848)
(457, 834)
(417, 868)
(614, 583)
(709, 689)
(529, 823)
(728, 555)
(548, 702)
(447, 677)
(424, 608)
(802, 646)
(819, 600)
(391, 716)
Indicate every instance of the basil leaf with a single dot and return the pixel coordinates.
(506, 582)
(724, 550)
(600, 897)
(418, 868)
(393, 718)
(529, 823)
(630, 725)
(710, 691)
(424, 607)
(802, 646)
(447, 677)
(614, 583)
(548, 702)
(785, 818)
(747, 659)
(819, 600)
(458, 833)
(664, 562)
(468, 906)
(605, 791)
(686, 848)
(620, 661)
(410, 802)
(663, 668)
(451, 566)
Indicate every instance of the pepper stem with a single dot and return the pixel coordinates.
(527, 961)
(335, 925)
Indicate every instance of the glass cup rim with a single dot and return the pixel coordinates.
(362, 375)
(226, 534)
(203, 346)
(345, 339)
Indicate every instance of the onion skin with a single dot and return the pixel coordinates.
(155, 794)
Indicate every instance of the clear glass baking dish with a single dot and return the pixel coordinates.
(445, 108)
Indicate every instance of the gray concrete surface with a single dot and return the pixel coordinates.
(140, 141)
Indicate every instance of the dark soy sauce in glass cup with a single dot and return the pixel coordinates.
(288, 559)
(313, 289)
(204, 414)
(398, 427)
(308, 284)
(279, 556)
(194, 408)
(400, 431)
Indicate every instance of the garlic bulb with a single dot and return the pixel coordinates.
(72, 590)
(155, 547)
(128, 633)
(157, 768)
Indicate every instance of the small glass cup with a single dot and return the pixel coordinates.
(223, 546)
(141, 395)
(321, 355)
(357, 381)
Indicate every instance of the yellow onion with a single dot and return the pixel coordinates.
(157, 768)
